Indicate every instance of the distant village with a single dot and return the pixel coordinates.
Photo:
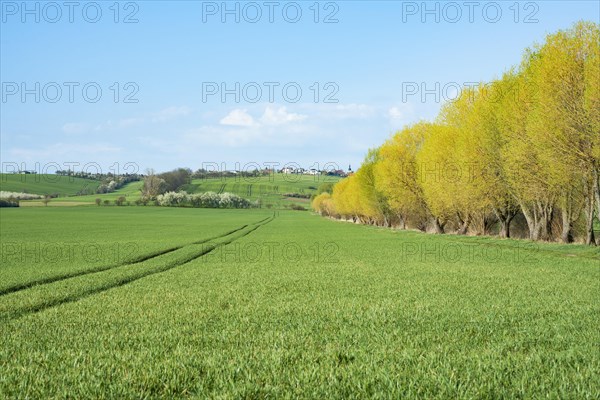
(313, 171)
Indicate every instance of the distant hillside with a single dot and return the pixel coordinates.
(47, 184)
(277, 190)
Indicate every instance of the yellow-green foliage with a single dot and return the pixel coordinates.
(529, 141)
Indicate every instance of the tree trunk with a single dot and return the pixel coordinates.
(597, 191)
(546, 212)
(438, 226)
(504, 229)
(593, 199)
(505, 217)
(538, 218)
(464, 224)
(488, 221)
(505, 224)
(402, 221)
(566, 235)
(531, 219)
(589, 226)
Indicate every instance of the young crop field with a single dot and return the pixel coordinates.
(275, 191)
(92, 239)
(263, 304)
(46, 184)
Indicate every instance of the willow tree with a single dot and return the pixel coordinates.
(372, 203)
(525, 173)
(490, 175)
(397, 175)
(341, 199)
(441, 177)
(561, 125)
(323, 204)
(592, 109)
(478, 187)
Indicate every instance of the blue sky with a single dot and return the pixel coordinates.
(177, 51)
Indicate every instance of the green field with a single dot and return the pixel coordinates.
(130, 191)
(91, 239)
(46, 184)
(271, 190)
(259, 304)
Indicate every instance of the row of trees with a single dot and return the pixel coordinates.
(526, 145)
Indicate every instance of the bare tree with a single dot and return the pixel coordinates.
(153, 185)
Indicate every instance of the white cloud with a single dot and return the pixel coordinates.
(278, 116)
(229, 136)
(402, 113)
(238, 117)
(395, 113)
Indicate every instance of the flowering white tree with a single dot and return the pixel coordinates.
(19, 196)
(204, 200)
(172, 199)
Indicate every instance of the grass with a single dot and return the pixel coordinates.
(271, 190)
(130, 191)
(41, 244)
(46, 184)
(296, 306)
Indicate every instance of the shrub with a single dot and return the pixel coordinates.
(98, 201)
(172, 199)
(325, 187)
(8, 203)
(106, 202)
(19, 196)
(210, 200)
(297, 195)
(204, 200)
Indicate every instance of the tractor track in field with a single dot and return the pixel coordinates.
(45, 281)
(137, 260)
(70, 298)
